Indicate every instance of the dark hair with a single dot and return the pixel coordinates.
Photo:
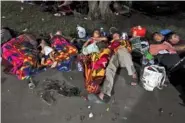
(169, 36)
(115, 33)
(155, 33)
(95, 31)
(13, 33)
(39, 48)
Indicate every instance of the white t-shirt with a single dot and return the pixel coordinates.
(47, 50)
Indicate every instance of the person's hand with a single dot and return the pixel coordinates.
(51, 35)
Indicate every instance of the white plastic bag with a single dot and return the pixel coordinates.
(81, 31)
(153, 76)
(92, 48)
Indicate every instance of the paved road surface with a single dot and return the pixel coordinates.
(128, 105)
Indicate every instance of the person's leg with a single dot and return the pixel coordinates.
(125, 60)
(109, 77)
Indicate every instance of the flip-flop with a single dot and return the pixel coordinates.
(134, 81)
(95, 99)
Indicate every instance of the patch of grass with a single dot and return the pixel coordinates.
(37, 22)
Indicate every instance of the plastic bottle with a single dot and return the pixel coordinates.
(124, 36)
(144, 61)
(79, 66)
(103, 33)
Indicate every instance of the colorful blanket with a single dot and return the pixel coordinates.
(65, 52)
(95, 70)
(21, 55)
(95, 65)
(24, 58)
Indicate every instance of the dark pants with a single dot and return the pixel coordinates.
(168, 60)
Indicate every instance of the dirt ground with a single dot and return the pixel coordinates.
(128, 104)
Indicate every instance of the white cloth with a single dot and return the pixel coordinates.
(163, 52)
(47, 50)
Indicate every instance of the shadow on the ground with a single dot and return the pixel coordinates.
(177, 79)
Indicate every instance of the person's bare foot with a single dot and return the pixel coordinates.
(54, 65)
(101, 95)
(134, 79)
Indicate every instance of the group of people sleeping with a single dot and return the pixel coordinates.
(100, 65)
(166, 47)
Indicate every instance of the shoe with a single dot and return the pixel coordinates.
(95, 99)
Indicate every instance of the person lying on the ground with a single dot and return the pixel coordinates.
(121, 58)
(96, 37)
(90, 46)
(165, 53)
(160, 46)
(19, 52)
(47, 51)
(174, 40)
(161, 36)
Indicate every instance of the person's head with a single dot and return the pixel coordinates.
(158, 37)
(116, 36)
(173, 38)
(96, 33)
(41, 42)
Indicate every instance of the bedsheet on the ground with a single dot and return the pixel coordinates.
(21, 55)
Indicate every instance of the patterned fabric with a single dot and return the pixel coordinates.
(95, 66)
(24, 58)
(115, 45)
(64, 53)
(21, 55)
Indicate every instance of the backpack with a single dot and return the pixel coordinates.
(153, 76)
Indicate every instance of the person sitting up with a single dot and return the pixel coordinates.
(47, 51)
(120, 58)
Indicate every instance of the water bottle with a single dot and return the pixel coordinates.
(79, 66)
(103, 33)
(144, 61)
(124, 36)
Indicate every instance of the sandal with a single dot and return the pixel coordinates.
(134, 81)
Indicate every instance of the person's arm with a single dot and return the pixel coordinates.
(68, 2)
(86, 43)
(51, 56)
(155, 48)
(180, 48)
(101, 39)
